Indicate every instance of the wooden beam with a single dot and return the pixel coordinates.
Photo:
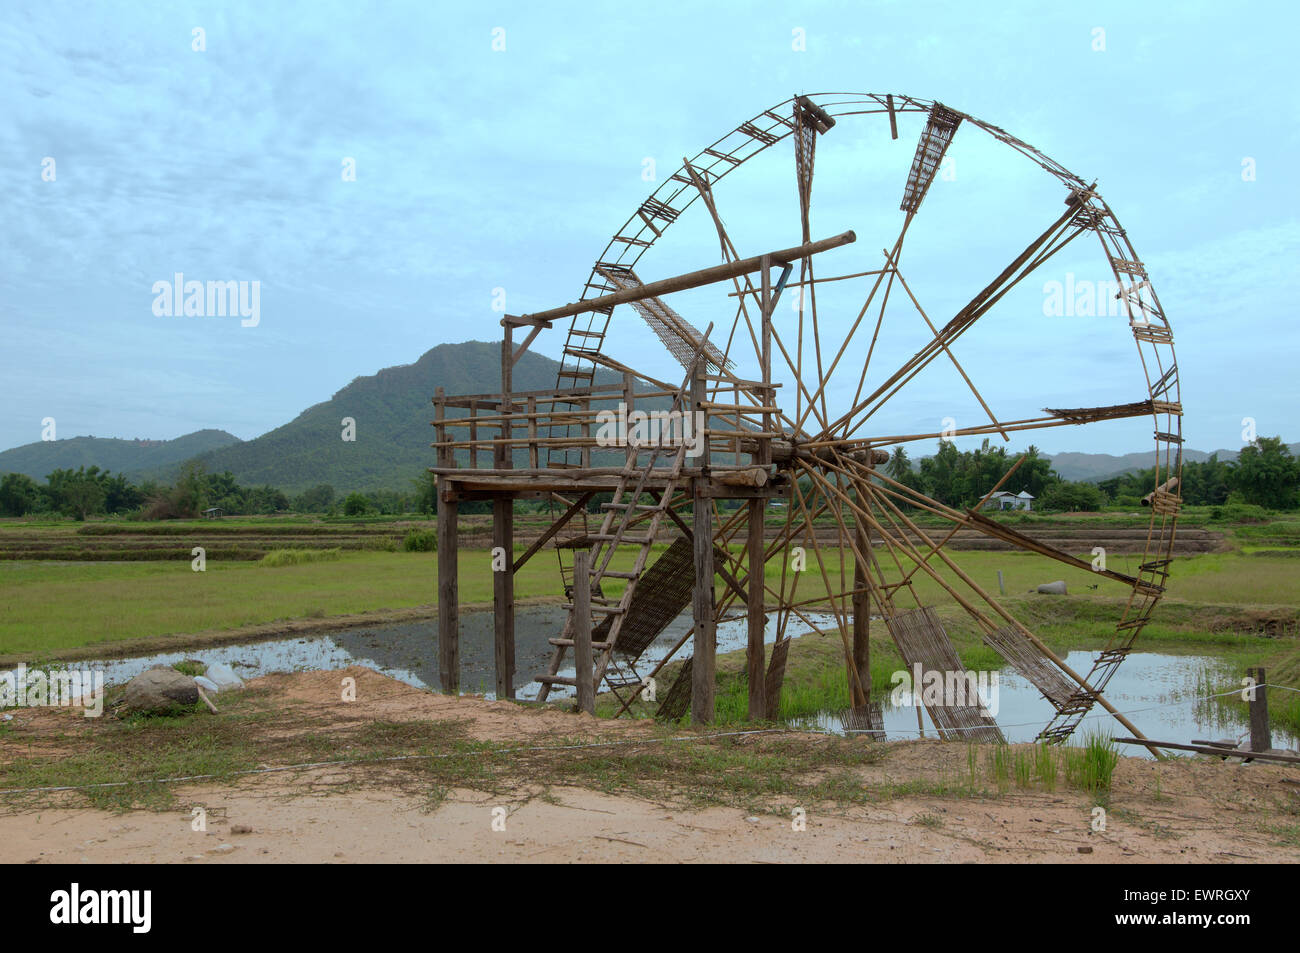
(755, 655)
(519, 351)
(503, 597)
(694, 279)
(1214, 750)
(583, 665)
(516, 320)
(448, 590)
(573, 510)
(861, 688)
(704, 666)
(448, 609)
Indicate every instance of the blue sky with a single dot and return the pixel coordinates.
(479, 169)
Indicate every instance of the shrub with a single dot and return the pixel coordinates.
(1238, 513)
(420, 541)
(356, 505)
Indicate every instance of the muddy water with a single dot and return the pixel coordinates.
(1161, 694)
(408, 651)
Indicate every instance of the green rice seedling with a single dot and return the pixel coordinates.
(1090, 768)
(999, 764)
(1045, 766)
(1023, 769)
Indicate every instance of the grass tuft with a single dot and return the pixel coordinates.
(297, 557)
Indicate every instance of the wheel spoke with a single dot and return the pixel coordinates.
(1059, 234)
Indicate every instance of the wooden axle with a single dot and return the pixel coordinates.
(784, 451)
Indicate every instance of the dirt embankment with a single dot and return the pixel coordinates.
(897, 802)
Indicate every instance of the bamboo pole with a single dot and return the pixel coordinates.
(694, 279)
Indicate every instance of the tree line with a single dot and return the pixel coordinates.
(1265, 474)
(90, 491)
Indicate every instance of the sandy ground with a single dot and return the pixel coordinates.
(1197, 811)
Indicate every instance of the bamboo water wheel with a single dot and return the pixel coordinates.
(818, 361)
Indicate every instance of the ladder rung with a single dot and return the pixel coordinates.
(601, 646)
(624, 682)
(607, 610)
(619, 575)
(624, 539)
(624, 506)
(557, 680)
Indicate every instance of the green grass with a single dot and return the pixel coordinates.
(257, 729)
(1090, 768)
(297, 557)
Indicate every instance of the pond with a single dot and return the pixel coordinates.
(1161, 693)
(1164, 695)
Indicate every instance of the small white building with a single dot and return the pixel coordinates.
(1003, 500)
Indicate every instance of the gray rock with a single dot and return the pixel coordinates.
(159, 689)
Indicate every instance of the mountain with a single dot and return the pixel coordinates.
(133, 458)
(392, 411)
(1091, 467)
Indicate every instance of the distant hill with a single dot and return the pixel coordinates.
(133, 458)
(392, 410)
(1090, 467)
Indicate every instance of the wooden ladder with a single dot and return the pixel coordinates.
(620, 515)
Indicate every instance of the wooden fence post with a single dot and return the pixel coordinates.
(1261, 739)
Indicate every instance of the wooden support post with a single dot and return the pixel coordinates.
(503, 595)
(705, 663)
(532, 433)
(503, 538)
(764, 455)
(585, 453)
(755, 656)
(503, 457)
(1261, 739)
(448, 590)
(473, 434)
(629, 401)
(584, 664)
(861, 622)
